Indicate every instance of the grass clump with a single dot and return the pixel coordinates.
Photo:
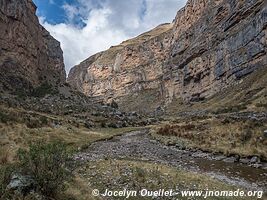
(5, 118)
(137, 175)
(5, 176)
(227, 135)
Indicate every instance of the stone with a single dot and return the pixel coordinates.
(265, 133)
(23, 184)
(244, 160)
(257, 165)
(219, 157)
(254, 159)
(231, 159)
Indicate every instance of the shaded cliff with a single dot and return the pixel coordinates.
(209, 46)
(29, 55)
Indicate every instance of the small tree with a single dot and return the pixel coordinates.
(46, 163)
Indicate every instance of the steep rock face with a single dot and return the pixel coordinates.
(29, 55)
(209, 46)
(130, 67)
(225, 44)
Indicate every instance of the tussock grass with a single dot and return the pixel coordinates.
(137, 175)
(244, 138)
(20, 128)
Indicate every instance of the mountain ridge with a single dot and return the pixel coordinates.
(180, 62)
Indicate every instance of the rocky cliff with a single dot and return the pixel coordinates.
(209, 46)
(29, 55)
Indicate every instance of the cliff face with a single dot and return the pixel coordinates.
(226, 43)
(130, 67)
(29, 55)
(209, 46)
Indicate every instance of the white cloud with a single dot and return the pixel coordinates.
(107, 23)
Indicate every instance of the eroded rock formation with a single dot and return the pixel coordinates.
(209, 46)
(29, 55)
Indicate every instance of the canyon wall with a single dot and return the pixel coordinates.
(29, 55)
(209, 46)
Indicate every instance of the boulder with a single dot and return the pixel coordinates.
(231, 159)
(20, 183)
(254, 159)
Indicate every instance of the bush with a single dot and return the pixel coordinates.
(46, 163)
(43, 90)
(44, 120)
(114, 104)
(166, 130)
(103, 124)
(5, 118)
(33, 123)
(112, 125)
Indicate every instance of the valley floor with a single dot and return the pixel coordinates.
(181, 153)
(135, 160)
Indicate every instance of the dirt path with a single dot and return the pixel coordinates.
(138, 145)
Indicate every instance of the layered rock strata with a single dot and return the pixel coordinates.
(209, 46)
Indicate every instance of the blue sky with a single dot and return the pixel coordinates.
(54, 12)
(85, 27)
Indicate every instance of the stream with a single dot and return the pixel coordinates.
(138, 145)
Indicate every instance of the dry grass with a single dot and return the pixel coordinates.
(4, 156)
(244, 138)
(19, 128)
(17, 135)
(136, 175)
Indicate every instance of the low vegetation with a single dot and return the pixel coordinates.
(228, 136)
(137, 175)
(43, 90)
(44, 165)
(47, 165)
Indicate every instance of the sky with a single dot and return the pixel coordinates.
(85, 27)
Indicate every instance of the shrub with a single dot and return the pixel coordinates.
(246, 135)
(46, 163)
(112, 125)
(166, 130)
(44, 120)
(140, 174)
(33, 123)
(103, 124)
(5, 118)
(43, 90)
(114, 104)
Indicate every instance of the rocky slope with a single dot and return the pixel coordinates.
(29, 55)
(209, 46)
